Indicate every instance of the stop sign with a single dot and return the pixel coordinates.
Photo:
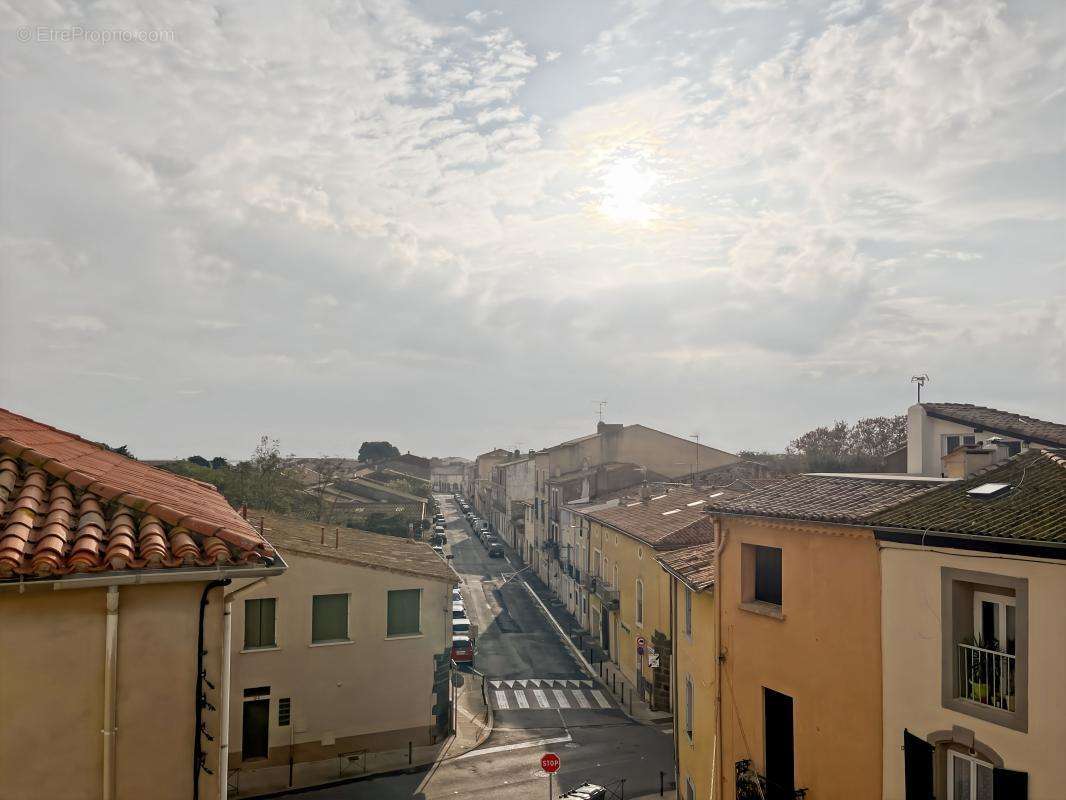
(549, 762)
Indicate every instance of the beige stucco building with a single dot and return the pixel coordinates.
(112, 639)
(343, 656)
(974, 648)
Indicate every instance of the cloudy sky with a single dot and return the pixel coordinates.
(457, 226)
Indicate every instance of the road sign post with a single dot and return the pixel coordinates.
(549, 762)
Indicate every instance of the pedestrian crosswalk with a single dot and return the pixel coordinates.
(543, 693)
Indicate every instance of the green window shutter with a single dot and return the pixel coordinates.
(329, 617)
(404, 612)
(259, 622)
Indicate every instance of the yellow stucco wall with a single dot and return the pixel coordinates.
(51, 692)
(694, 660)
(824, 653)
(629, 560)
(912, 606)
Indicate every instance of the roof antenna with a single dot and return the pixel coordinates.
(602, 407)
(921, 380)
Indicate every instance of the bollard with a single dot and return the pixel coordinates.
(631, 704)
(410, 753)
(662, 782)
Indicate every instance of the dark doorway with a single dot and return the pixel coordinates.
(255, 729)
(780, 756)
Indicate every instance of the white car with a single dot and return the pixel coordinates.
(458, 611)
(457, 596)
(462, 626)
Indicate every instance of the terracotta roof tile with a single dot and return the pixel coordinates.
(1003, 422)
(839, 498)
(362, 548)
(695, 566)
(67, 505)
(1033, 508)
(675, 519)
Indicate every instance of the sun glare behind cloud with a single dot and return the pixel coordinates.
(625, 186)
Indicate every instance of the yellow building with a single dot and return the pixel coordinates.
(973, 583)
(632, 597)
(798, 588)
(113, 637)
(691, 574)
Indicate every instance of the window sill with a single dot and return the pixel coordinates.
(763, 609)
(260, 649)
(418, 635)
(331, 643)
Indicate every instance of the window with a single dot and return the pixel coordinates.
(984, 661)
(688, 707)
(259, 626)
(596, 563)
(284, 711)
(640, 602)
(329, 618)
(761, 579)
(688, 612)
(953, 440)
(968, 778)
(404, 614)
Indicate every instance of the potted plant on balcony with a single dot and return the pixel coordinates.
(982, 669)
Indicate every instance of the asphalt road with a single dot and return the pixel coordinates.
(517, 643)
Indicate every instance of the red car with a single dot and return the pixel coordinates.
(462, 650)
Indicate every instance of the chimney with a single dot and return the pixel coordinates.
(608, 427)
(645, 493)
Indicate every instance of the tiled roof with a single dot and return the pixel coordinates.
(828, 498)
(1003, 422)
(675, 519)
(693, 565)
(69, 505)
(361, 548)
(1034, 508)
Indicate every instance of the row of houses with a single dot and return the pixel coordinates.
(155, 642)
(888, 635)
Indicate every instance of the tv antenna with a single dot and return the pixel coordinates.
(602, 408)
(696, 436)
(921, 380)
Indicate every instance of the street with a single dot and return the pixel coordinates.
(543, 701)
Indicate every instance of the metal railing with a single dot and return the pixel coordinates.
(985, 676)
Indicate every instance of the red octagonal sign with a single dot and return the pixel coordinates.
(549, 762)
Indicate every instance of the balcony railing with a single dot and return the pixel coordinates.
(985, 676)
(608, 595)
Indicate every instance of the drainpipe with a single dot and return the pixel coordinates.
(716, 764)
(110, 691)
(198, 753)
(223, 705)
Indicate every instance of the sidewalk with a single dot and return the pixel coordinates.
(606, 670)
(474, 722)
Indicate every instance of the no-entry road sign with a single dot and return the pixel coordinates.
(549, 762)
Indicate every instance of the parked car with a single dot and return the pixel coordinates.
(462, 626)
(495, 550)
(458, 611)
(457, 595)
(438, 540)
(438, 529)
(439, 550)
(462, 650)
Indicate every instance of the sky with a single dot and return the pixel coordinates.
(458, 226)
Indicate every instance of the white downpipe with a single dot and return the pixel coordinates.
(224, 709)
(110, 691)
(223, 749)
(716, 764)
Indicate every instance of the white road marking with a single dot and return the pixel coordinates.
(561, 698)
(501, 700)
(597, 695)
(520, 696)
(495, 684)
(541, 699)
(517, 746)
(582, 701)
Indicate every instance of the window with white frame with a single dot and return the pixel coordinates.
(329, 618)
(969, 778)
(640, 602)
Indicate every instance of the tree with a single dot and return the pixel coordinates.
(377, 451)
(122, 450)
(218, 462)
(199, 461)
(851, 448)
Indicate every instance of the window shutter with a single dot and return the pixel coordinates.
(1010, 785)
(918, 767)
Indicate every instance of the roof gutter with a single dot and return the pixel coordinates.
(136, 577)
(970, 541)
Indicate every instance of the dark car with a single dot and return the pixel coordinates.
(495, 550)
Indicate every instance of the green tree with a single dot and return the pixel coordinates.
(377, 451)
(218, 462)
(850, 448)
(199, 461)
